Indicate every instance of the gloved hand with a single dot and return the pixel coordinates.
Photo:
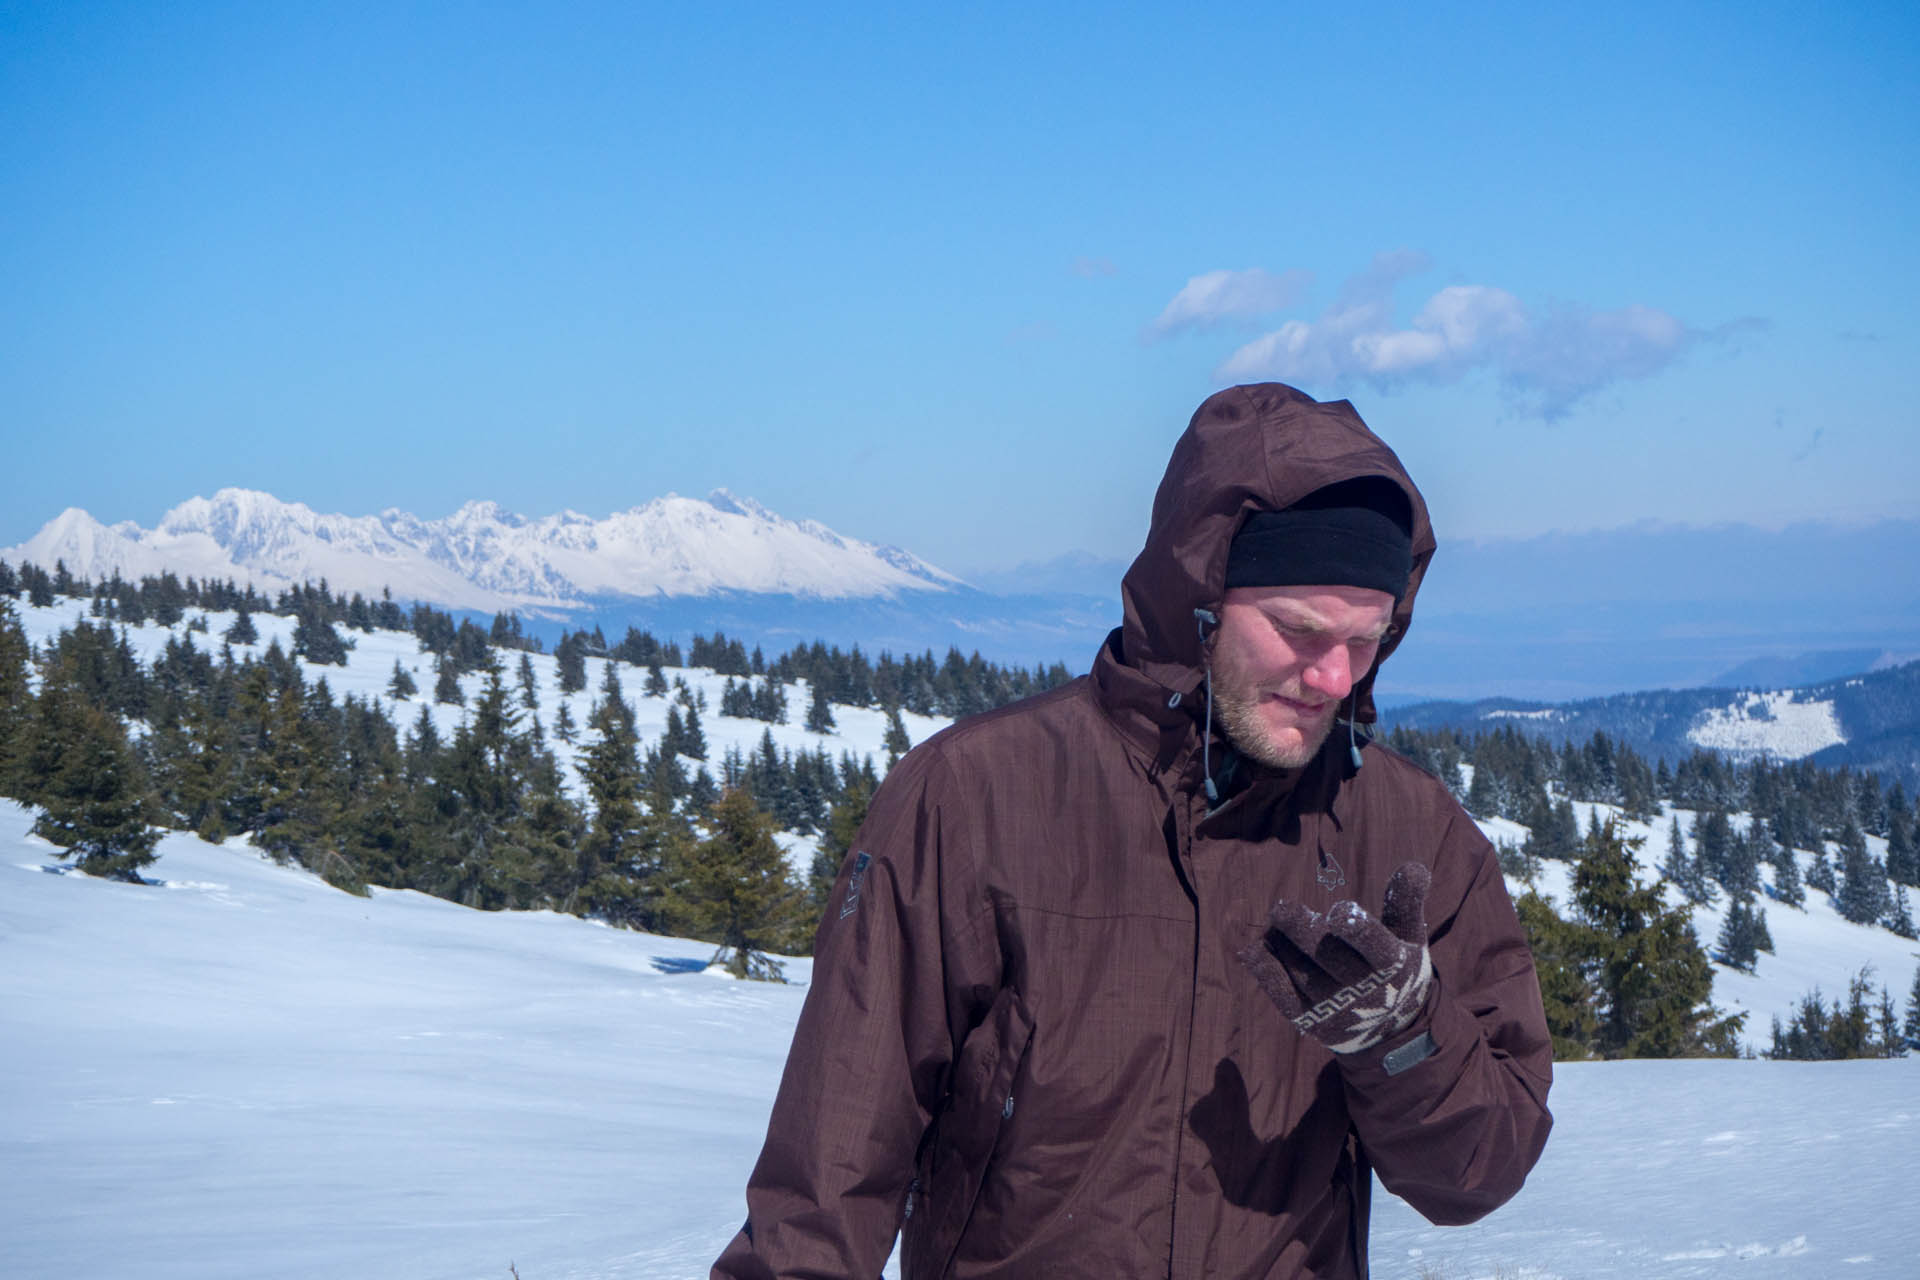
(1345, 978)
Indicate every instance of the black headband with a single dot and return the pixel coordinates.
(1358, 533)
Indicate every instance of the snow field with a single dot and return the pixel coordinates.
(1773, 724)
(241, 1072)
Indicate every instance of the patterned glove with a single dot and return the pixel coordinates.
(1345, 978)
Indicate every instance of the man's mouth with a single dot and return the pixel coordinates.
(1298, 707)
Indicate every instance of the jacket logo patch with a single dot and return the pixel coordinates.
(859, 878)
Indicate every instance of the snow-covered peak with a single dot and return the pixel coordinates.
(480, 514)
(75, 539)
(724, 501)
(486, 557)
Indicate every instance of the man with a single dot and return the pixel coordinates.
(1148, 975)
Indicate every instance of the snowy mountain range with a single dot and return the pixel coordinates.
(1574, 616)
(484, 557)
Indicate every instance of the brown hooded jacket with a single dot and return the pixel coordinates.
(1029, 1046)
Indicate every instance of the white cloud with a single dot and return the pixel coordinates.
(1548, 360)
(1220, 297)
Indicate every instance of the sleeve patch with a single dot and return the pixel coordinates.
(859, 878)
(1411, 1054)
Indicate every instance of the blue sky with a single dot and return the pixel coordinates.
(955, 281)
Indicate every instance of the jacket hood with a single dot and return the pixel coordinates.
(1249, 448)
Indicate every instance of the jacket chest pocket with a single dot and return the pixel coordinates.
(955, 1157)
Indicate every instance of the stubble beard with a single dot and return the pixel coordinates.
(1237, 706)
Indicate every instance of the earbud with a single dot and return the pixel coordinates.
(1353, 740)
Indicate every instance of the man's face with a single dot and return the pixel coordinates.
(1283, 660)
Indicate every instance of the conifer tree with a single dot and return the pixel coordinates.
(734, 890)
(1820, 875)
(666, 778)
(703, 792)
(297, 786)
(1740, 872)
(1863, 896)
(1483, 793)
(670, 738)
(192, 750)
(693, 738)
(1565, 828)
(1564, 956)
(819, 711)
(16, 694)
(242, 630)
(610, 771)
(1739, 942)
(733, 769)
(39, 585)
(612, 702)
(552, 828)
(1814, 1033)
(1887, 1027)
(656, 686)
(570, 658)
(91, 789)
(770, 701)
(446, 685)
(529, 692)
(1899, 917)
(1903, 853)
(422, 745)
(314, 639)
(508, 833)
(563, 726)
(1654, 980)
(1788, 887)
(401, 686)
(1681, 870)
(1713, 846)
(896, 741)
(1851, 1030)
(1913, 1012)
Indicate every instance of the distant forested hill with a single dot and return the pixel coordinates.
(1869, 722)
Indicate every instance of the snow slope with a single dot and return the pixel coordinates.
(370, 663)
(240, 1072)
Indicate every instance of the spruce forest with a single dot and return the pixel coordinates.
(524, 803)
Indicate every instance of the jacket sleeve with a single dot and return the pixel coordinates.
(1455, 1132)
(902, 955)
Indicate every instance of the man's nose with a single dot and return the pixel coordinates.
(1331, 673)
